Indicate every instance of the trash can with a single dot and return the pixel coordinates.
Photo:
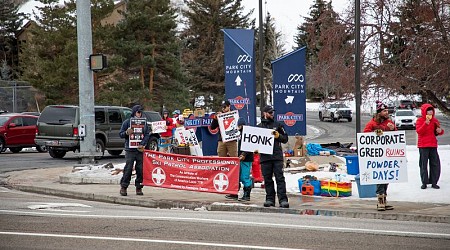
(352, 164)
(366, 191)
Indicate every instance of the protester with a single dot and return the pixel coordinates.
(178, 119)
(428, 128)
(229, 148)
(133, 155)
(379, 123)
(246, 159)
(166, 137)
(273, 164)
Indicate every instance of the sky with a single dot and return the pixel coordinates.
(288, 14)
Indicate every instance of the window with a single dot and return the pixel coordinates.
(114, 116)
(29, 121)
(99, 116)
(17, 121)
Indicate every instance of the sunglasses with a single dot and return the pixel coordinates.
(270, 113)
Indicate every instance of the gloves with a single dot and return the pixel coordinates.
(256, 152)
(276, 134)
(129, 131)
(241, 157)
(140, 148)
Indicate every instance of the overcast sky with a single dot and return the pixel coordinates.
(288, 14)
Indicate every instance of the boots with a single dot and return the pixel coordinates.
(386, 206)
(381, 206)
(246, 195)
(139, 191)
(123, 191)
(231, 196)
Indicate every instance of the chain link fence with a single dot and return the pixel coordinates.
(17, 97)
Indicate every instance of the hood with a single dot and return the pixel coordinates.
(135, 109)
(424, 108)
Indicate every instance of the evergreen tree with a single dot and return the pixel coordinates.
(203, 43)
(10, 22)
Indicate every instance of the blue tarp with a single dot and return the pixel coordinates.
(315, 148)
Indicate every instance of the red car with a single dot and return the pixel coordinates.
(17, 131)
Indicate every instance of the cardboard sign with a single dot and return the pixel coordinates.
(193, 142)
(179, 136)
(228, 125)
(194, 173)
(255, 138)
(138, 126)
(158, 127)
(382, 158)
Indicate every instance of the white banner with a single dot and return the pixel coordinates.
(158, 127)
(228, 125)
(255, 138)
(382, 158)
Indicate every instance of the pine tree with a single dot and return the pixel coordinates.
(203, 43)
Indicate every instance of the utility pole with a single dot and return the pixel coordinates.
(261, 56)
(357, 66)
(85, 81)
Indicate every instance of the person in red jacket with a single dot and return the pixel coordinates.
(428, 128)
(379, 123)
(166, 137)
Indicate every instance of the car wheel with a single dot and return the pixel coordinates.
(152, 144)
(2, 145)
(320, 116)
(349, 119)
(99, 148)
(41, 149)
(332, 117)
(57, 154)
(15, 150)
(115, 152)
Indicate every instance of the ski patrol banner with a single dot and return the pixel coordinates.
(138, 125)
(194, 173)
(240, 85)
(228, 125)
(382, 158)
(289, 91)
(255, 138)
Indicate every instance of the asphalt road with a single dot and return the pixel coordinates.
(31, 221)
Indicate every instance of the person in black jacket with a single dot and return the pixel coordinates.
(229, 148)
(273, 164)
(133, 155)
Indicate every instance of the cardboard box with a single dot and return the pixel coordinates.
(199, 112)
(299, 146)
(182, 150)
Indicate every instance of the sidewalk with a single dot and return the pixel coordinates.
(48, 181)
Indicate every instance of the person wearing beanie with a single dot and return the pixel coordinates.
(379, 123)
(133, 155)
(245, 165)
(166, 137)
(427, 129)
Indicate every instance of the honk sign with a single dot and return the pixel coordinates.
(254, 138)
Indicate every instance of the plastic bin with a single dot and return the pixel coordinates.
(352, 164)
(314, 183)
(366, 191)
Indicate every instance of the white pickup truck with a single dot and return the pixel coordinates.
(335, 112)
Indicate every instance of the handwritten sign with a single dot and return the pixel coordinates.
(254, 138)
(382, 158)
(228, 125)
(159, 127)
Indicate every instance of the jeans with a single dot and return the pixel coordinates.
(382, 188)
(269, 169)
(131, 157)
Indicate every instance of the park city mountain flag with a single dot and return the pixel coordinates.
(240, 72)
(289, 91)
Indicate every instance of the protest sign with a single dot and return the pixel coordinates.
(382, 158)
(228, 125)
(138, 125)
(158, 127)
(179, 136)
(194, 173)
(254, 138)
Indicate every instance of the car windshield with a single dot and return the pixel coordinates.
(338, 105)
(405, 113)
(3, 120)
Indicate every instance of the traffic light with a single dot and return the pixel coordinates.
(97, 62)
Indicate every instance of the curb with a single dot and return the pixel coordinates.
(216, 206)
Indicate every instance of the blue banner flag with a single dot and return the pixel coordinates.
(289, 91)
(240, 72)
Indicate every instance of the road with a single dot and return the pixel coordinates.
(31, 221)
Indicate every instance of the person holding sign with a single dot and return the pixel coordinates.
(166, 137)
(379, 123)
(273, 164)
(228, 148)
(132, 154)
(427, 128)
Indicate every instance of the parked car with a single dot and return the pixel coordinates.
(405, 118)
(57, 129)
(18, 131)
(405, 104)
(335, 112)
(152, 116)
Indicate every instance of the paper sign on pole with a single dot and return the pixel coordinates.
(382, 158)
(158, 127)
(255, 138)
(228, 125)
(138, 125)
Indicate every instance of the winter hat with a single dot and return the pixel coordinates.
(225, 103)
(380, 107)
(241, 121)
(268, 109)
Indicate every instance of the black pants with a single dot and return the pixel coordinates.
(269, 169)
(131, 157)
(431, 155)
(382, 188)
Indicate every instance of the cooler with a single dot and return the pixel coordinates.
(366, 191)
(352, 164)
